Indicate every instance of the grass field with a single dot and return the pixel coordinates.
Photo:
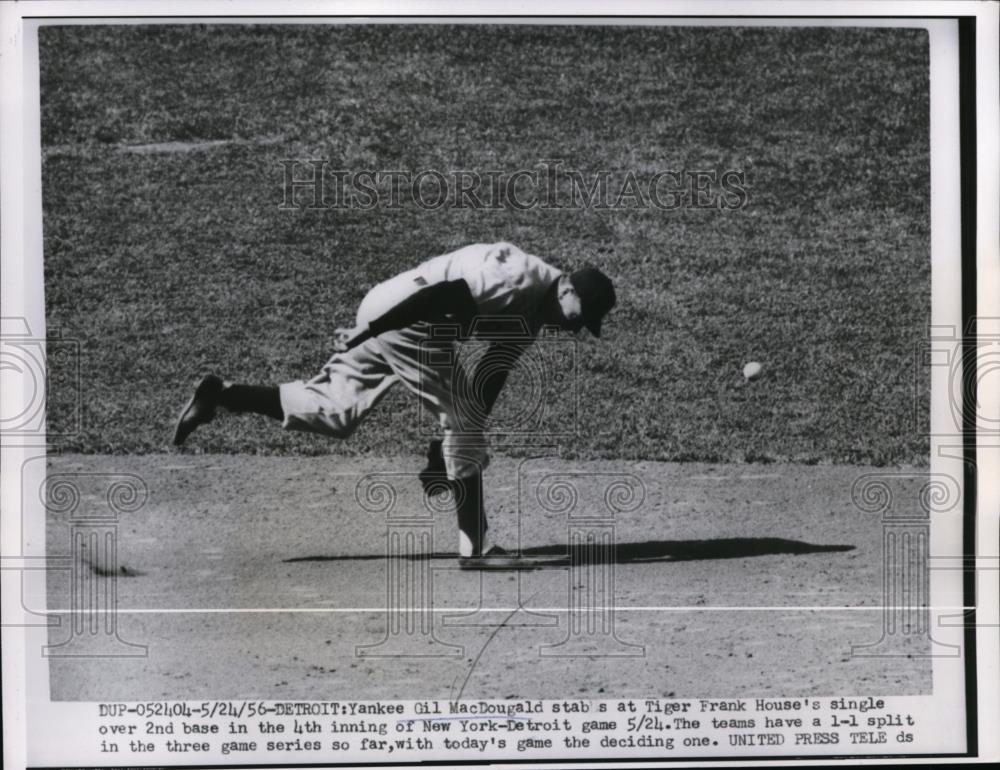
(166, 265)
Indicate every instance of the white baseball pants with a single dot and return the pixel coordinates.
(350, 385)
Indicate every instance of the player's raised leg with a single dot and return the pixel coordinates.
(333, 403)
(212, 392)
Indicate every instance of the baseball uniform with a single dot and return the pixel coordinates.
(504, 282)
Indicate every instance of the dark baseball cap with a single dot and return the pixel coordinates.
(597, 296)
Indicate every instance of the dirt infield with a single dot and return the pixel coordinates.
(267, 577)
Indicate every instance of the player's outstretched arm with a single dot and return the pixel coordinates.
(433, 303)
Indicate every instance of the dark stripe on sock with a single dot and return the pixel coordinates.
(259, 399)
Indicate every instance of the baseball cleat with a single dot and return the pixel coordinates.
(489, 560)
(497, 558)
(200, 409)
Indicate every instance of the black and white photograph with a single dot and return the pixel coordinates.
(461, 389)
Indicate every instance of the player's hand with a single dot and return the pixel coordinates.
(340, 339)
(345, 339)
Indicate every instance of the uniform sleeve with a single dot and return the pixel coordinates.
(432, 303)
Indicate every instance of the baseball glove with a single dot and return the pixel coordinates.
(434, 477)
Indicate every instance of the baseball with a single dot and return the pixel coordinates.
(752, 370)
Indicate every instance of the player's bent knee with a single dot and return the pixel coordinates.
(305, 411)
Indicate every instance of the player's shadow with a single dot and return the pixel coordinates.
(685, 550)
(648, 551)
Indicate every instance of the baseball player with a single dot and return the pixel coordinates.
(407, 330)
